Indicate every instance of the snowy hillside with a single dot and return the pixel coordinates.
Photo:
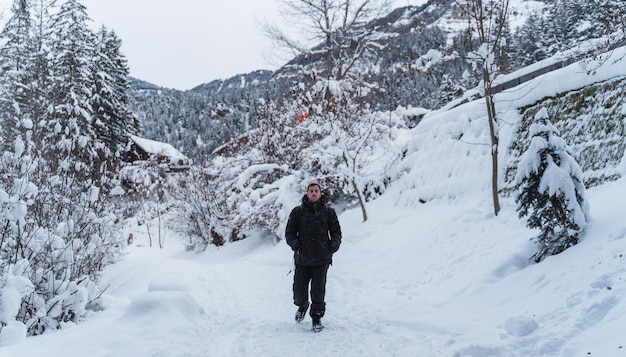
(431, 273)
(448, 153)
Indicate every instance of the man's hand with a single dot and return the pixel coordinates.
(295, 245)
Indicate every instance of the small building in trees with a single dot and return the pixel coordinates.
(148, 164)
(144, 150)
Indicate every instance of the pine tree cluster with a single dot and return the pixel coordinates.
(64, 120)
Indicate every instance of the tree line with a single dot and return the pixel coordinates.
(64, 122)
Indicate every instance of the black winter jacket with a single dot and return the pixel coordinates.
(313, 232)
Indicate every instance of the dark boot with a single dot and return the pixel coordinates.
(302, 312)
(317, 324)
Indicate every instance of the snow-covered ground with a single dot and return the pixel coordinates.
(442, 279)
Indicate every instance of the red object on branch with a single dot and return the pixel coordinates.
(302, 116)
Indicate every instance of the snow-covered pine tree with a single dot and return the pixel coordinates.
(605, 19)
(41, 73)
(562, 24)
(112, 119)
(564, 18)
(16, 75)
(61, 232)
(530, 40)
(77, 148)
(550, 190)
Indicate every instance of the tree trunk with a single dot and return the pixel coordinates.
(360, 198)
(159, 220)
(354, 185)
(493, 132)
(149, 235)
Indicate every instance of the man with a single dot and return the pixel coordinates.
(314, 234)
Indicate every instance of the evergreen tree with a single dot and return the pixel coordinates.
(41, 79)
(604, 17)
(16, 66)
(79, 150)
(550, 190)
(112, 119)
(530, 40)
(563, 17)
(53, 164)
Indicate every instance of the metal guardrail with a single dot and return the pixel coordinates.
(534, 74)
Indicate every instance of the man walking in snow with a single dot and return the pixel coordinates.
(314, 234)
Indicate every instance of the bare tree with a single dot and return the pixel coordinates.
(486, 20)
(333, 30)
(485, 50)
(336, 35)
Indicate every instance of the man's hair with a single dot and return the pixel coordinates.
(314, 184)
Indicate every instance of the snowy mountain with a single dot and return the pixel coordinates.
(408, 31)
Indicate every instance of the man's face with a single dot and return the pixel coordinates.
(313, 193)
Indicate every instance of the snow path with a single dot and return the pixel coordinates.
(227, 303)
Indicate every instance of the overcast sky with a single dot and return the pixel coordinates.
(184, 43)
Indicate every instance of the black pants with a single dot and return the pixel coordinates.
(316, 276)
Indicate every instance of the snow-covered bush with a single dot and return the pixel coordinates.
(228, 203)
(251, 183)
(196, 211)
(147, 195)
(550, 190)
(55, 238)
